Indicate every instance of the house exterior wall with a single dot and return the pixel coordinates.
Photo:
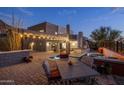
(34, 44)
(48, 28)
(62, 30)
(38, 43)
(51, 29)
(38, 27)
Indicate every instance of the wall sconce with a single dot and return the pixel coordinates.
(73, 43)
(47, 44)
(32, 44)
(21, 35)
(56, 33)
(39, 37)
(34, 37)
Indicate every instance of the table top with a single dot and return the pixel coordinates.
(77, 70)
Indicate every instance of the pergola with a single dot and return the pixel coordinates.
(44, 36)
(33, 35)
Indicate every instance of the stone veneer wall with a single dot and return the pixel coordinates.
(13, 57)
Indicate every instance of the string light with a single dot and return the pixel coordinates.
(34, 37)
(39, 37)
(21, 35)
(28, 35)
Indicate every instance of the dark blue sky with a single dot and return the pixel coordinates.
(80, 19)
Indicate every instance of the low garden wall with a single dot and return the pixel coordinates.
(13, 57)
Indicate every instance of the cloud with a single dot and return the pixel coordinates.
(5, 15)
(117, 10)
(114, 10)
(67, 12)
(23, 10)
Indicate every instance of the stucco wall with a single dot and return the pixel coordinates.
(39, 44)
(51, 29)
(38, 27)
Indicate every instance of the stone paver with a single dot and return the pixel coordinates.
(26, 73)
(31, 73)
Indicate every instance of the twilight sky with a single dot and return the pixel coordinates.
(81, 19)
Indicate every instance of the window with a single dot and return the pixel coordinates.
(56, 33)
(3, 34)
(42, 31)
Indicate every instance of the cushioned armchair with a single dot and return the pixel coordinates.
(51, 73)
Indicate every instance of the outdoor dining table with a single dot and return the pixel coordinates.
(75, 71)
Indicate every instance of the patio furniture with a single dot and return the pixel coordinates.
(28, 59)
(52, 74)
(111, 66)
(87, 60)
(64, 55)
(76, 71)
(74, 58)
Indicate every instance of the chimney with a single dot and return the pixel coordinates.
(68, 29)
(68, 43)
(80, 40)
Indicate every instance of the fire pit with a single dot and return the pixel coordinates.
(59, 57)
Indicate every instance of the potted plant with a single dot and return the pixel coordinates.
(70, 63)
(27, 59)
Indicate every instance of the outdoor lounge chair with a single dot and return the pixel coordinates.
(53, 75)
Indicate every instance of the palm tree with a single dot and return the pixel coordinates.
(114, 34)
(103, 34)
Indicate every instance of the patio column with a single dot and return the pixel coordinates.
(68, 47)
(68, 42)
(80, 40)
